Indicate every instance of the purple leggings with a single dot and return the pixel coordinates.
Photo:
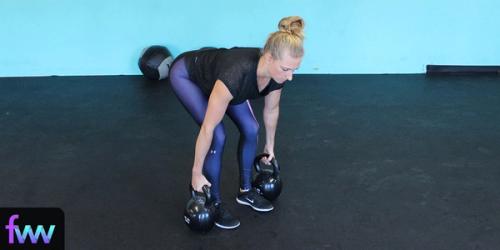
(242, 115)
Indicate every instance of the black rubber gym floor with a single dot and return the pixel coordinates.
(368, 162)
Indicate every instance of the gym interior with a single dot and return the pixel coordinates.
(388, 134)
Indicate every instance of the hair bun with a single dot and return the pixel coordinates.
(293, 25)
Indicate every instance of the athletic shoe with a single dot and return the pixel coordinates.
(253, 199)
(224, 219)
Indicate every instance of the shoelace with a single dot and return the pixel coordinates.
(253, 195)
(222, 211)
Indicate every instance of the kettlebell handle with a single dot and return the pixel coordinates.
(206, 192)
(274, 163)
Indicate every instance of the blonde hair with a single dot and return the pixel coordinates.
(290, 37)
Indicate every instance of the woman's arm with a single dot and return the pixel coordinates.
(217, 104)
(271, 115)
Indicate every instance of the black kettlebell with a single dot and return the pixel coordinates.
(199, 214)
(267, 182)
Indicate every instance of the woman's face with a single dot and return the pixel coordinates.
(282, 69)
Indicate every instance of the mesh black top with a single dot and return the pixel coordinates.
(235, 67)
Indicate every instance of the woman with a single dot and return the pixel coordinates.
(211, 83)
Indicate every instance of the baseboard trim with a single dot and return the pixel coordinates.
(462, 70)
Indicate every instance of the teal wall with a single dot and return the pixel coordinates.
(106, 37)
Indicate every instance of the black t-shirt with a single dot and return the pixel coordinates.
(235, 67)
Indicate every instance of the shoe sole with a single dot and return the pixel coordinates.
(254, 208)
(226, 227)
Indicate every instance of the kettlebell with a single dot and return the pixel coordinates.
(267, 182)
(199, 214)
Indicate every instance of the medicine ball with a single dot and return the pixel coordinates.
(155, 62)
(207, 48)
